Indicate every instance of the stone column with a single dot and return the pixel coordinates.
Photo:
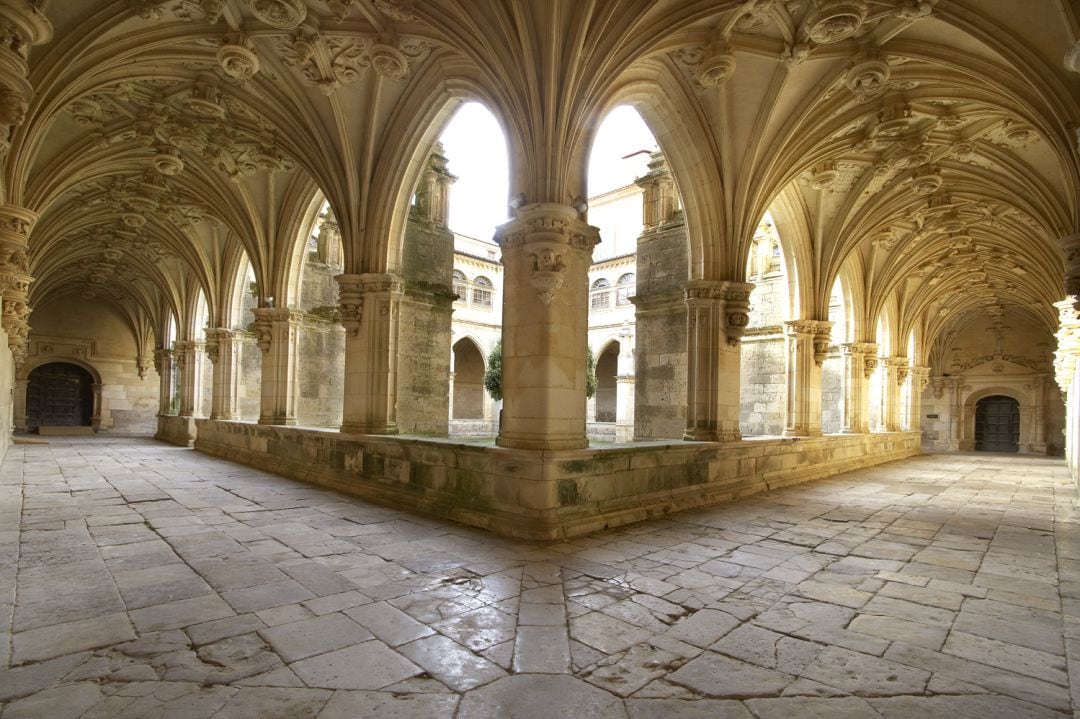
(920, 378)
(369, 312)
(1040, 416)
(223, 350)
(807, 346)
(277, 331)
(96, 419)
(717, 316)
(957, 412)
(19, 402)
(855, 376)
(624, 387)
(163, 363)
(1067, 372)
(189, 359)
(15, 226)
(22, 25)
(546, 253)
(891, 379)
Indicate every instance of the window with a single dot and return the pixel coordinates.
(460, 286)
(627, 284)
(601, 295)
(482, 292)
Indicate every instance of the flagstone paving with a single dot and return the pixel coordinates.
(143, 580)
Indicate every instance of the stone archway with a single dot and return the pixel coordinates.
(60, 394)
(468, 381)
(607, 370)
(997, 424)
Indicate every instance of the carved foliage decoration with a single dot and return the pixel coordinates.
(282, 14)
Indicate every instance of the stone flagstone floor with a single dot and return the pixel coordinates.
(142, 580)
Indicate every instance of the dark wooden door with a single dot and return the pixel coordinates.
(58, 395)
(997, 424)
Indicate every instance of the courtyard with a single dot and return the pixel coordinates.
(144, 580)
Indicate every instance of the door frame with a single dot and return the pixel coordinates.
(22, 386)
(1014, 404)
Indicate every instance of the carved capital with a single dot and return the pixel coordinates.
(548, 234)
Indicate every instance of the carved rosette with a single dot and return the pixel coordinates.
(868, 76)
(835, 20)
(237, 57)
(717, 64)
(282, 14)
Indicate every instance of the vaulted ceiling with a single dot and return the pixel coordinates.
(925, 152)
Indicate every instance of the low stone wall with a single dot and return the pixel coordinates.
(176, 430)
(543, 495)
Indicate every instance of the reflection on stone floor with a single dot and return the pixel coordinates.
(141, 580)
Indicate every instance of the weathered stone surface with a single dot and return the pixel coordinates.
(539, 696)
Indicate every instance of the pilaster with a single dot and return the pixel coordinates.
(223, 350)
(164, 364)
(546, 253)
(277, 331)
(894, 374)
(920, 379)
(716, 318)
(1066, 373)
(189, 358)
(807, 345)
(854, 418)
(369, 312)
(624, 388)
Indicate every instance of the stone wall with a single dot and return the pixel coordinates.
(660, 343)
(1010, 356)
(763, 382)
(832, 393)
(423, 357)
(544, 496)
(249, 388)
(177, 430)
(321, 372)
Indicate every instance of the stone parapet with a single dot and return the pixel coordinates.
(176, 430)
(550, 495)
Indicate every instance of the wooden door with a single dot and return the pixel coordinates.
(997, 424)
(58, 395)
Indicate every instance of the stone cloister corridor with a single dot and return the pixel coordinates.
(145, 580)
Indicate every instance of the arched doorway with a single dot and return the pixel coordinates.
(997, 424)
(607, 368)
(468, 381)
(59, 394)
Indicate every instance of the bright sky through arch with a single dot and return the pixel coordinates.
(622, 133)
(476, 150)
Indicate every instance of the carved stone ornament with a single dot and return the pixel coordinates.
(282, 14)
(389, 62)
(870, 364)
(835, 20)
(717, 64)
(237, 57)
(926, 180)
(902, 374)
(168, 162)
(548, 271)
(1072, 58)
(736, 296)
(400, 10)
(868, 78)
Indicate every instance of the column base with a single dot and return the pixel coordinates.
(535, 443)
(357, 428)
(706, 435)
(278, 421)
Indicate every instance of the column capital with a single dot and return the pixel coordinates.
(548, 232)
(732, 296)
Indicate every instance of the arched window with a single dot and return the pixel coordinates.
(625, 291)
(601, 294)
(460, 286)
(482, 292)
